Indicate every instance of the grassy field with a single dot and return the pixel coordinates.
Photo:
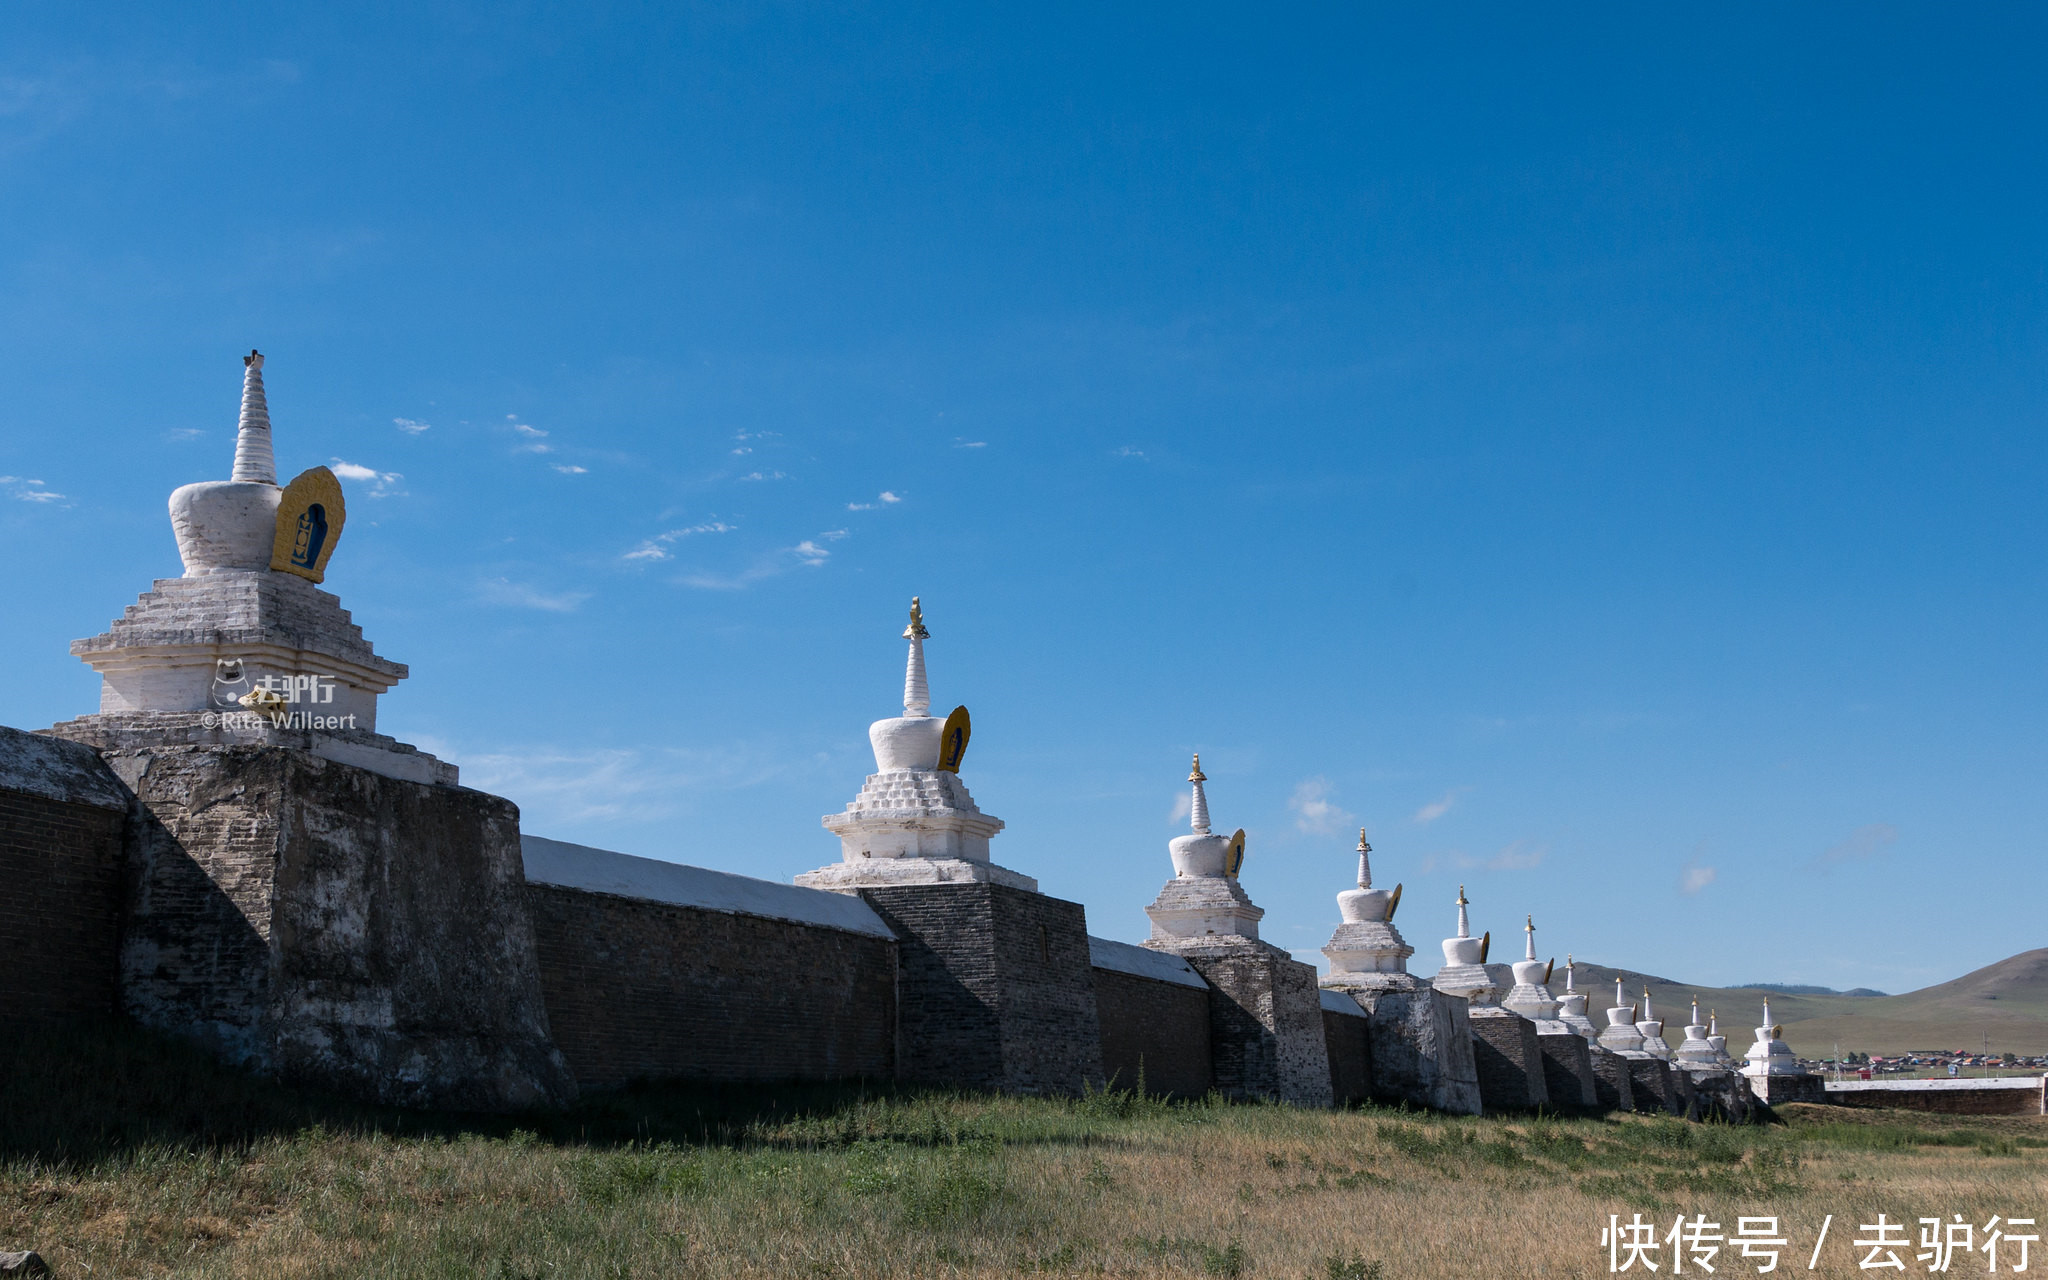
(123, 1156)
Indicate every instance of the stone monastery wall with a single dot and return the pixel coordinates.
(62, 815)
(657, 971)
(1153, 1013)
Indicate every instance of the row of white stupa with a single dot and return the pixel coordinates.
(914, 822)
(247, 579)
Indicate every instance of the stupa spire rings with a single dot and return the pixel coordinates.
(1529, 930)
(1364, 861)
(254, 460)
(917, 695)
(1464, 916)
(1198, 803)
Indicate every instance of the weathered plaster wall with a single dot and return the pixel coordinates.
(62, 817)
(335, 926)
(645, 990)
(994, 988)
(1265, 1024)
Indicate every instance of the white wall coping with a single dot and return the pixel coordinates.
(577, 866)
(1142, 962)
(1339, 1002)
(58, 769)
(1962, 1083)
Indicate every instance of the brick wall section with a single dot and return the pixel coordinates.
(641, 990)
(1510, 1063)
(60, 894)
(1350, 1057)
(1161, 1027)
(1612, 1080)
(1655, 1090)
(994, 988)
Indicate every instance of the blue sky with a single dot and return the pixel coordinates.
(1601, 453)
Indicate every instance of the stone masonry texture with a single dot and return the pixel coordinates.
(1510, 1063)
(336, 927)
(640, 990)
(1159, 1028)
(62, 818)
(1265, 1024)
(1568, 1070)
(995, 989)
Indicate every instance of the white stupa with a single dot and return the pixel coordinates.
(1465, 972)
(1531, 994)
(244, 647)
(1621, 1034)
(1571, 1006)
(1718, 1042)
(1203, 905)
(1366, 952)
(1697, 1052)
(914, 821)
(1770, 1055)
(1652, 1028)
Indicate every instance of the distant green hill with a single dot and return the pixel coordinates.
(2007, 1001)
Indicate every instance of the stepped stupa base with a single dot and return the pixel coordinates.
(884, 873)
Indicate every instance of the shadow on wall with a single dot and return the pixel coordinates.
(95, 1088)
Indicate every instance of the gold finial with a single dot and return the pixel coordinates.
(1531, 926)
(916, 631)
(1461, 897)
(1363, 847)
(1196, 775)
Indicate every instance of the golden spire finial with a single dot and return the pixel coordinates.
(1461, 897)
(916, 631)
(1196, 774)
(1531, 926)
(1363, 847)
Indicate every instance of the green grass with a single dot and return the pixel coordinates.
(133, 1156)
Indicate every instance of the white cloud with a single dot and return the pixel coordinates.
(534, 448)
(805, 554)
(1435, 809)
(1183, 805)
(554, 785)
(860, 506)
(569, 469)
(1694, 878)
(520, 596)
(1313, 811)
(890, 497)
(762, 475)
(836, 534)
(532, 433)
(1128, 452)
(182, 434)
(656, 548)
(1518, 856)
(411, 426)
(1864, 842)
(970, 444)
(742, 449)
(24, 490)
(383, 484)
